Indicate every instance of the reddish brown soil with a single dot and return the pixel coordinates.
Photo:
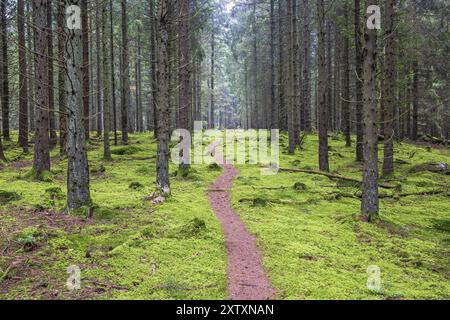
(246, 277)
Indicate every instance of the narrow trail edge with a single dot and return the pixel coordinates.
(247, 279)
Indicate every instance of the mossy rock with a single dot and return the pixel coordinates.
(125, 150)
(436, 167)
(299, 186)
(54, 193)
(6, 196)
(136, 186)
(193, 228)
(214, 167)
(259, 202)
(98, 169)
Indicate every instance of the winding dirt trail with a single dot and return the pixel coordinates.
(246, 277)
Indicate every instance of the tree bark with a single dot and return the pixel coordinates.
(62, 79)
(23, 84)
(211, 122)
(113, 71)
(273, 106)
(30, 71)
(78, 193)
(98, 47)
(306, 117)
(162, 102)
(85, 65)
(125, 97)
(369, 204)
(106, 84)
(415, 102)
(346, 84)
(358, 83)
(51, 93)
(389, 85)
(4, 71)
(322, 90)
(41, 162)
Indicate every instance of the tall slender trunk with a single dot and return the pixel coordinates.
(346, 84)
(184, 74)
(23, 84)
(162, 102)
(113, 71)
(306, 117)
(125, 97)
(322, 90)
(2, 154)
(273, 106)
(78, 193)
(85, 65)
(389, 88)
(30, 71)
(41, 161)
(99, 88)
(211, 122)
(62, 79)
(369, 204)
(153, 63)
(282, 108)
(4, 70)
(415, 102)
(358, 82)
(106, 83)
(51, 93)
(140, 112)
(291, 103)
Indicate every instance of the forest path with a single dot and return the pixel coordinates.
(247, 279)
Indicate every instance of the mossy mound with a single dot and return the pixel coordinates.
(7, 196)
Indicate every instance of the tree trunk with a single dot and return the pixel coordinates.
(369, 205)
(282, 79)
(51, 93)
(153, 63)
(389, 84)
(30, 72)
(41, 161)
(322, 90)
(98, 47)
(62, 80)
(139, 111)
(162, 102)
(4, 70)
(273, 106)
(211, 122)
(346, 84)
(415, 102)
(85, 65)
(113, 72)
(23, 85)
(125, 97)
(184, 75)
(358, 83)
(306, 117)
(78, 193)
(106, 84)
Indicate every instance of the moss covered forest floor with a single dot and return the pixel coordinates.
(313, 243)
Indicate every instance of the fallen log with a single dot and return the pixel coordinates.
(336, 176)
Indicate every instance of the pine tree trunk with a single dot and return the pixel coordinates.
(306, 118)
(369, 205)
(322, 90)
(99, 88)
(106, 83)
(346, 84)
(4, 70)
(113, 71)
(78, 193)
(62, 80)
(23, 84)
(162, 98)
(41, 161)
(51, 93)
(140, 112)
(358, 83)
(211, 122)
(85, 65)
(273, 106)
(125, 97)
(389, 85)
(30, 72)
(415, 102)
(282, 78)
(184, 56)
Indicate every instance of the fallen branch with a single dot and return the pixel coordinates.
(335, 176)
